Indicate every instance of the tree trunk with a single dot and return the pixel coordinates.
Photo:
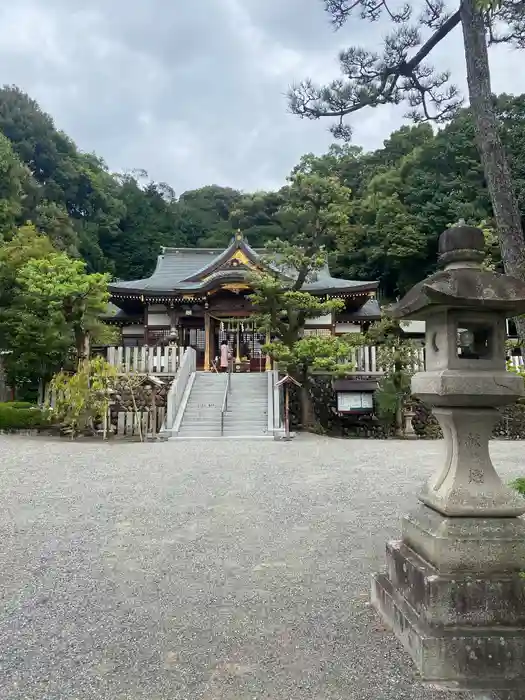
(307, 412)
(493, 157)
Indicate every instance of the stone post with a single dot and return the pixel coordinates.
(453, 593)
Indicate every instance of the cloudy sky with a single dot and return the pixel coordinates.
(193, 91)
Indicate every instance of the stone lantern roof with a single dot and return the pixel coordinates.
(463, 283)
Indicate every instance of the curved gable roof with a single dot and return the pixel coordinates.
(180, 270)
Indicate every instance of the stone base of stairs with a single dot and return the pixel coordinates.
(224, 437)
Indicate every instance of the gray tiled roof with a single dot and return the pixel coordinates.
(113, 313)
(324, 280)
(175, 265)
(369, 311)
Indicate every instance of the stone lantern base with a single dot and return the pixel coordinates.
(455, 599)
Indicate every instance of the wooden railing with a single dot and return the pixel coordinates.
(146, 360)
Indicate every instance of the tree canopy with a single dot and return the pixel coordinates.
(314, 214)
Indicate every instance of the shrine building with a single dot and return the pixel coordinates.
(198, 297)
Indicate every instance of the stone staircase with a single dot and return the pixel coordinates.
(247, 414)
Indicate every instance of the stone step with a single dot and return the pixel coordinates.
(247, 412)
(459, 658)
(455, 599)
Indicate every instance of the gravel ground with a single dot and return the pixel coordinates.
(204, 570)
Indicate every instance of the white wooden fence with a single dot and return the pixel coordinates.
(146, 360)
(365, 360)
(145, 423)
(517, 361)
(166, 360)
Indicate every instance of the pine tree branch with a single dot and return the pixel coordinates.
(434, 40)
(506, 23)
(371, 80)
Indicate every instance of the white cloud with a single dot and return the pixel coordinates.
(194, 92)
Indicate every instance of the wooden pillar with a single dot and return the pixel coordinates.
(238, 349)
(145, 312)
(268, 362)
(207, 341)
(174, 324)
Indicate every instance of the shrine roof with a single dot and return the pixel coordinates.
(370, 311)
(194, 270)
(115, 314)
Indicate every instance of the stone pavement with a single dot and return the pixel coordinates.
(204, 570)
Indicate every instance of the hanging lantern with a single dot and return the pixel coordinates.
(222, 326)
(242, 327)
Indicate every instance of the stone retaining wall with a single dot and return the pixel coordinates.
(329, 422)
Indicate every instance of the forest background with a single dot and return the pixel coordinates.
(403, 196)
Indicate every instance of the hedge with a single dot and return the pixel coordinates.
(18, 415)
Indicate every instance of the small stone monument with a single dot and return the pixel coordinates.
(453, 593)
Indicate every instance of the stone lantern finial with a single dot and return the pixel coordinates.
(462, 244)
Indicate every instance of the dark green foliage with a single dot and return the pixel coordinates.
(424, 422)
(21, 416)
(391, 393)
(327, 420)
(519, 485)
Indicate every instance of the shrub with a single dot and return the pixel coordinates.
(519, 485)
(20, 404)
(16, 416)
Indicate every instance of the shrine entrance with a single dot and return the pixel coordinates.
(194, 336)
(244, 340)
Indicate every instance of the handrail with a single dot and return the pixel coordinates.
(178, 386)
(269, 391)
(227, 390)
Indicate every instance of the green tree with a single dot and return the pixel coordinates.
(13, 176)
(207, 213)
(384, 244)
(52, 220)
(83, 398)
(151, 220)
(396, 356)
(33, 348)
(49, 308)
(315, 215)
(60, 286)
(402, 72)
(26, 244)
(257, 216)
(77, 183)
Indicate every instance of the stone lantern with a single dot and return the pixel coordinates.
(453, 593)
